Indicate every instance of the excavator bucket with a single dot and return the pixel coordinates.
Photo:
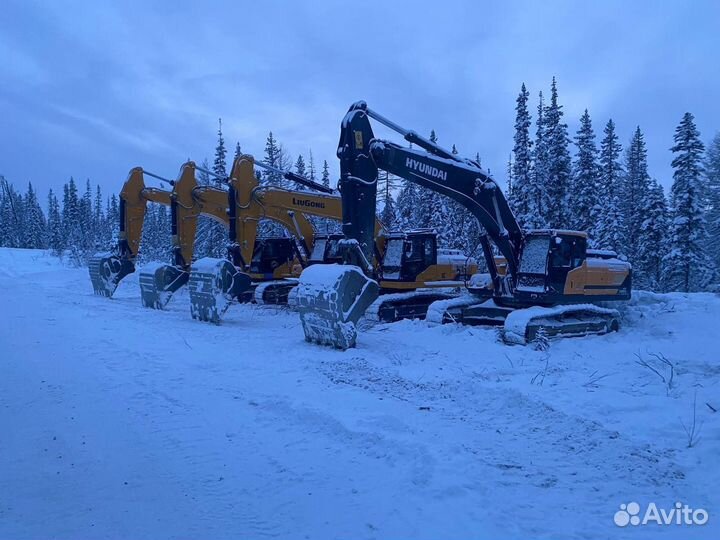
(331, 298)
(158, 282)
(213, 285)
(106, 271)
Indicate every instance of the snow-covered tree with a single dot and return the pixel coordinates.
(11, 215)
(113, 218)
(214, 233)
(652, 245)
(34, 231)
(540, 173)
(325, 176)
(54, 225)
(584, 194)
(387, 184)
(607, 231)
(521, 184)
(220, 161)
(687, 265)
(71, 217)
(98, 214)
(558, 162)
(311, 172)
(634, 191)
(301, 170)
(712, 174)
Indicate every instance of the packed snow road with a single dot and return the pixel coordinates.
(122, 422)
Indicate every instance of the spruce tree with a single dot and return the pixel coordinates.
(98, 216)
(11, 215)
(87, 221)
(687, 265)
(521, 185)
(607, 231)
(712, 174)
(537, 216)
(385, 202)
(33, 233)
(220, 161)
(71, 217)
(584, 195)
(215, 233)
(311, 172)
(54, 225)
(648, 270)
(113, 219)
(634, 191)
(558, 162)
(301, 170)
(325, 177)
(272, 158)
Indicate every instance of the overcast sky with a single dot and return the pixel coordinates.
(92, 89)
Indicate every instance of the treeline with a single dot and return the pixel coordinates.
(553, 181)
(76, 226)
(557, 182)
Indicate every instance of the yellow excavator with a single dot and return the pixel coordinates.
(265, 269)
(411, 262)
(272, 258)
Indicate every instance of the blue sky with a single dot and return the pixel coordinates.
(92, 89)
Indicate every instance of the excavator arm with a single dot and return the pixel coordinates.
(108, 269)
(362, 155)
(331, 301)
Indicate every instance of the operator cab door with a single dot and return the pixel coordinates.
(420, 254)
(567, 252)
(270, 253)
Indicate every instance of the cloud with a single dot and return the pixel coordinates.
(110, 86)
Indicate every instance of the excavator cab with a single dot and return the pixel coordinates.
(546, 260)
(408, 255)
(272, 256)
(556, 266)
(326, 249)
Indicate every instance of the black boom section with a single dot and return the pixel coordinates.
(361, 155)
(358, 180)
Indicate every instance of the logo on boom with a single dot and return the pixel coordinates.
(308, 203)
(426, 169)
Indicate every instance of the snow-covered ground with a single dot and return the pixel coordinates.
(122, 422)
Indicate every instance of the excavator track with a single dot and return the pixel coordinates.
(394, 307)
(213, 284)
(527, 325)
(274, 292)
(158, 282)
(522, 326)
(106, 270)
